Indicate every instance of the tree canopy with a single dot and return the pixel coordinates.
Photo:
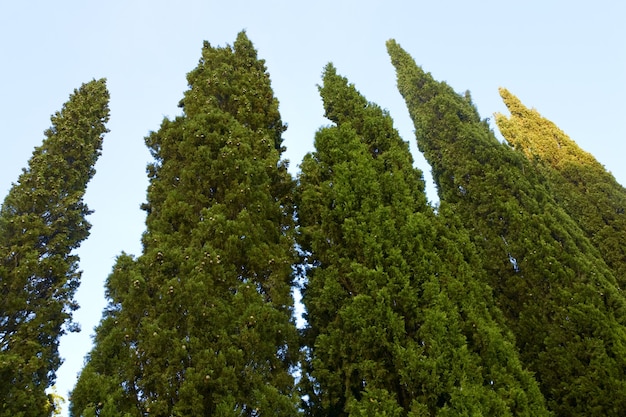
(580, 184)
(42, 221)
(208, 320)
(398, 323)
(506, 298)
(559, 297)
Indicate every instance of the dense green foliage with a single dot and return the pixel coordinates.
(504, 300)
(203, 318)
(397, 322)
(108, 384)
(559, 297)
(42, 221)
(581, 185)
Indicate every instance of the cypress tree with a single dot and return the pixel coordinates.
(108, 383)
(42, 221)
(208, 320)
(397, 323)
(556, 292)
(581, 185)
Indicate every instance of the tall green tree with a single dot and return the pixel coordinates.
(108, 383)
(398, 325)
(581, 185)
(559, 297)
(208, 318)
(42, 221)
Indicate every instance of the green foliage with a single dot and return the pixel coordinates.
(42, 220)
(556, 292)
(203, 318)
(108, 384)
(580, 184)
(398, 325)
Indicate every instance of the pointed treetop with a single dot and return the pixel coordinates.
(340, 107)
(585, 189)
(552, 144)
(232, 82)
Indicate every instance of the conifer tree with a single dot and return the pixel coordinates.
(557, 294)
(397, 323)
(581, 185)
(208, 319)
(42, 221)
(108, 383)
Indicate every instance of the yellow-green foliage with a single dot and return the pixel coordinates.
(582, 186)
(556, 291)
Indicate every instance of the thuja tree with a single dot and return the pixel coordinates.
(397, 325)
(42, 221)
(581, 185)
(208, 318)
(557, 294)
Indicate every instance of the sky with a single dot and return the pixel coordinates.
(567, 59)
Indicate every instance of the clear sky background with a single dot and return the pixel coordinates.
(567, 59)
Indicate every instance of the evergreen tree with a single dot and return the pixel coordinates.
(557, 294)
(42, 221)
(208, 321)
(108, 383)
(582, 186)
(397, 323)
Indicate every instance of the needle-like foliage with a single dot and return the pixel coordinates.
(206, 312)
(557, 294)
(398, 324)
(42, 222)
(581, 185)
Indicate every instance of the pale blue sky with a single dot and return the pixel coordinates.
(565, 58)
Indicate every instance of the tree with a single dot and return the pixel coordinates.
(108, 383)
(581, 185)
(42, 221)
(398, 325)
(208, 321)
(557, 294)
